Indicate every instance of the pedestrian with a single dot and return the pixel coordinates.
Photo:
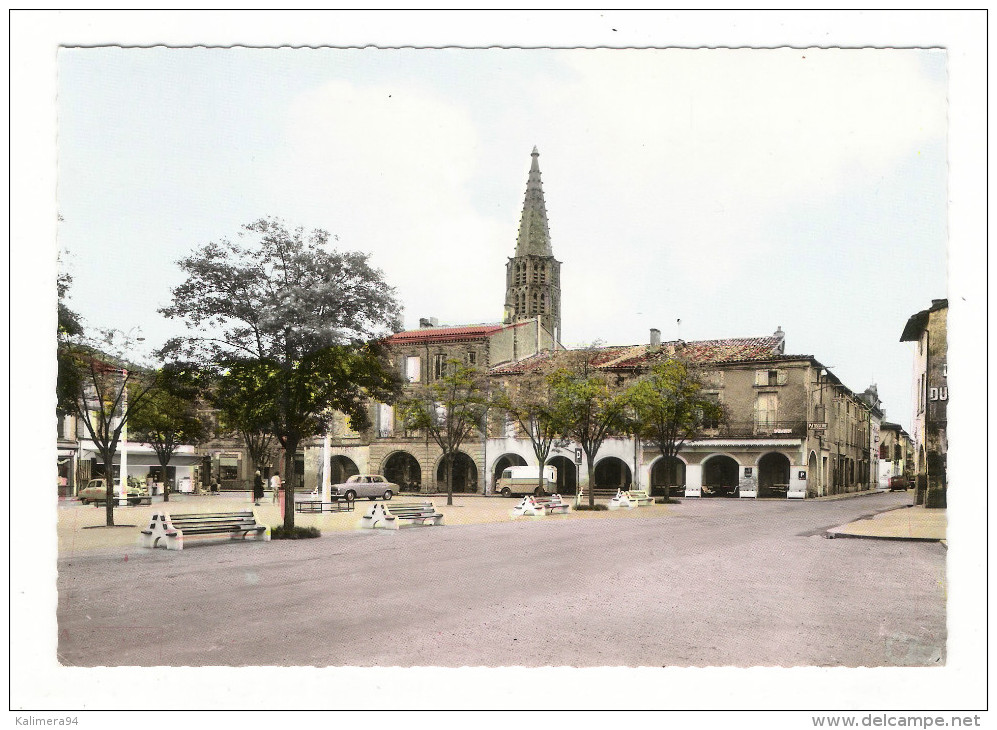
(257, 488)
(275, 486)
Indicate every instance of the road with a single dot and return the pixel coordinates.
(710, 583)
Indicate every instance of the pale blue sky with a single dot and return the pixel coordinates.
(736, 190)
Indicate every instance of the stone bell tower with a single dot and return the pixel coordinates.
(533, 275)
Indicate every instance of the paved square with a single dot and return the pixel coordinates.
(703, 583)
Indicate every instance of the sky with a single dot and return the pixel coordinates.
(709, 193)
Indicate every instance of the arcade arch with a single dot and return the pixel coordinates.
(773, 474)
(566, 476)
(341, 468)
(465, 473)
(612, 473)
(667, 474)
(403, 469)
(720, 476)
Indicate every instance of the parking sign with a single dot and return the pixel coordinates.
(578, 456)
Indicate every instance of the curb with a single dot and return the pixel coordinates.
(831, 535)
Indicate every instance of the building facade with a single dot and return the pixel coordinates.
(929, 331)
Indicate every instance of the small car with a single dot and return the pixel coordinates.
(898, 483)
(96, 490)
(372, 486)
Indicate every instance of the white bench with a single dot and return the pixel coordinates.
(173, 529)
(693, 490)
(553, 504)
(641, 497)
(390, 517)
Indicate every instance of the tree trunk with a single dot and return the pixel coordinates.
(289, 452)
(450, 461)
(109, 484)
(166, 481)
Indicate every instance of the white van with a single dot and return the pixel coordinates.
(523, 480)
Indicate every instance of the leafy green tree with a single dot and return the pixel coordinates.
(295, 321)
(449, 410)
(531, 402)
(669, 406)
(589, 405)
(69, 330)
(170, 415)
(239, 410)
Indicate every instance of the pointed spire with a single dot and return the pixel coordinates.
(534, 234)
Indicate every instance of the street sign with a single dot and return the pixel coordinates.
(818, 426)
(578, 456)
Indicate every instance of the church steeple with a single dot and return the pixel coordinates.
(534, 234)
(533, 275)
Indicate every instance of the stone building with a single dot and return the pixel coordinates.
(896, 453)
(792, 425)
(928, 328)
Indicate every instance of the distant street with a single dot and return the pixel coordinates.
(711, 582)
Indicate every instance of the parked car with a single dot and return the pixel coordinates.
(372, 486)
(899, 483)
(96, 490)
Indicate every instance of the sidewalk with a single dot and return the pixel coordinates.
(904, 523)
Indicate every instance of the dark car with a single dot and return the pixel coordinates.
(898, 483)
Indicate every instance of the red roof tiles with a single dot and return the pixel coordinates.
(448, 334)
(626, 357)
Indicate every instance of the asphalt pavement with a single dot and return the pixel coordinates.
(704, 583)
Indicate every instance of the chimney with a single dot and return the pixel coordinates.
(655, 337)
(426, 322)
(781, 348)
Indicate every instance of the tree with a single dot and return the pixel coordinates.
(69, 329)
(104, 390)
(449, 410)
(239, 410)
(295, 321)
(589, 405)
(530, 400)
(170, 415)
(669, 406)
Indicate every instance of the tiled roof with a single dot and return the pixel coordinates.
(625, 357)
(448, 334)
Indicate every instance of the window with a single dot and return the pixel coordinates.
(413, 368)
(472, 358)
(766, 409)
(711, 420)
(228, 467)
(385, 419)
(439, 365)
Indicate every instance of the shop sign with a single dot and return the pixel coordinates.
(818, 426)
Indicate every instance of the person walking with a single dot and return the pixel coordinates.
(275, 486)
(257, 488)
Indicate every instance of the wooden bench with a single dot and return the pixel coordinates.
(314, 506)
(390, 515)
(553, 504)
(172, 529)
